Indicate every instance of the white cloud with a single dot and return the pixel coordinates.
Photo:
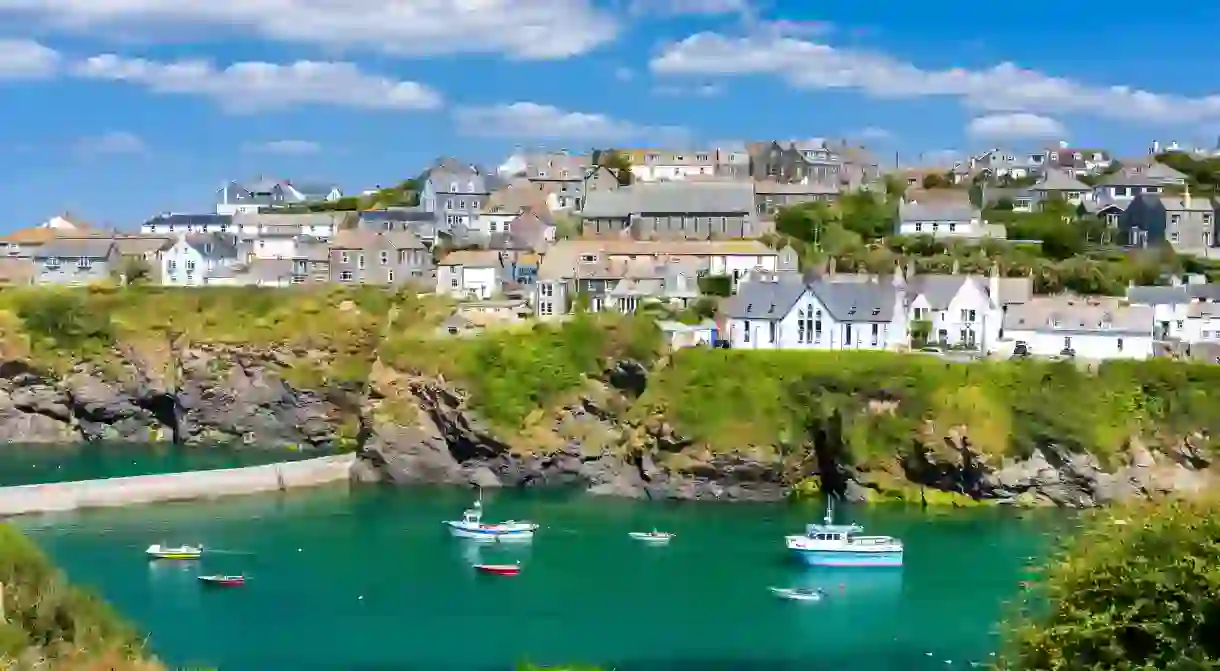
(529, 29)
(701, 91)
(1015, 126)
(1002, 88)
(26, 59)
(114, 142)
(544, 122)
(284, 147)
(691, 7)
(792, 28)
(255, 86)
(624, 74)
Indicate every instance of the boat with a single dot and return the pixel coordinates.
(653, 536)
(159, 551)
(798, 593)
(223, 580)
(471, 526)
(843, 545)
(498, 569)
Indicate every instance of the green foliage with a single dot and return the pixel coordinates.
(64, 319)
(618, 161)
(1201, 172)
(937, 181)
(46, 616)
(730, 400)
(716, 285)
(1138, 589)
(511, 374)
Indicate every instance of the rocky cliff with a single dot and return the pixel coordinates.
(592, 403)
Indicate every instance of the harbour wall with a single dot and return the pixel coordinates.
(64, 496)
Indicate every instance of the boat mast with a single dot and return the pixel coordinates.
(830, 510)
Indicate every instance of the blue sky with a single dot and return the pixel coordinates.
(118, 109)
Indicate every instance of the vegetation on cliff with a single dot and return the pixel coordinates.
(46, 621)
(1138, 588)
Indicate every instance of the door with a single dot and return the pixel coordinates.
(848, 341)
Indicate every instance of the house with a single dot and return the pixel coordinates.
(1181, 311)
(770, 196)
(826, 314)
(961, 311)
(1055, 185)
(812, 161)
(322, 225)
(656, 165)
(1109, 211)
(732, 164)
(1076, 161)
(1089, 327)
(21, 243)
(311, 264)
(527, 232)
(1132, 182)
(262, 193)
(193, 257)
(559, 177)
(473, 273)
(998, 164)
(567, 262)
(504, 205)
(676, 210)
(76, 262)
(417, 220)
(16, 271)
(600, 178)
(678, 335)
(944, 213)
(1186, 223)
(388, 258)
(174, 224)
(455, 192)
(254, 273)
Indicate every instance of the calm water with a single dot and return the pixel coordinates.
(370, 580)
(34, 464)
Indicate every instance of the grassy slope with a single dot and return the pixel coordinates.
(49, 619)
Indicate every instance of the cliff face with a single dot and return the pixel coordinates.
(609, 437)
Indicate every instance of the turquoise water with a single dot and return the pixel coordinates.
(36, 464)
(370, 580)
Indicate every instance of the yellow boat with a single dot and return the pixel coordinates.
(158, 551)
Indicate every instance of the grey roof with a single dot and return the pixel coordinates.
(190, 220)
(294, 220)
(1097, 206)
(937, 210)
(671, 197)
(937, 290)
(556, 166)
(397, 214)
(93, 248)
(1131, 178)
(313, 190)
(764, 300)
(1207, 292)
(857, 301)
(768, 187)
(1056, 180)
(1154, 295)
(213, 245)
(1183, 203)
(467, 178)
(1080, 314)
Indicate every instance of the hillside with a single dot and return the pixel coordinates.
(592, 401)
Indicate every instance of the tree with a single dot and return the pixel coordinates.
(135, 270)
(936, 181)
(1004, 203)
(806, 222)
(617, 161)
(1138, 589)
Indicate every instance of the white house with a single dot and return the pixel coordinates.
(1091, 327)
(959, 310)
(472, 273)
(195, 257)
(827, 314)
(1170, 308)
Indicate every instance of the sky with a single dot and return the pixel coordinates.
(116, 110)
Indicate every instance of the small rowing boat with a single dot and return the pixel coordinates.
(159, 551)
(498, 569)
(653, 536)
(223, 580)
(798, 593)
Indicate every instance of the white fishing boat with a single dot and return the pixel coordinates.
(655, 537)
(472, 526)
(798, 593)
(843, 545)
(159, 551)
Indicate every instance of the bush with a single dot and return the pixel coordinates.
(1138, 588)
(65, 319)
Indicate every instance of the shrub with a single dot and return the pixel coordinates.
(1137, 589)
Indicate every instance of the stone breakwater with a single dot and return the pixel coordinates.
(65, 496)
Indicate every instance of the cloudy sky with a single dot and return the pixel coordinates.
(118, 109)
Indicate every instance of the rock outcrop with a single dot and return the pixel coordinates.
(413, 430)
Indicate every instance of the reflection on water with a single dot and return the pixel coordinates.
(868, 583)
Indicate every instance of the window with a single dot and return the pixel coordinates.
(547, 290)
(546, 309)
(190, 266)
(207, 248)
(389, 276)
(973, 315)
(83, 262)
(1175, 218)
(345, 276)
(1120, 344)
(817, 327)
(172, 266)
(771, 324)
(344, 257)
(385, 258)
(1173, 237)
(746, 337)
(491, 228)
(453, 282)
(360, 261)
(453, 188)
(966, 315)
(918, 227)
(876, 333)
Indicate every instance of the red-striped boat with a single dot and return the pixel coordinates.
(499, 569)
(223, 580)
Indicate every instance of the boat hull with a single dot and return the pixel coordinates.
(849, 558)
(222, 582)
(498, 569)
(181, 556)
(493, 532)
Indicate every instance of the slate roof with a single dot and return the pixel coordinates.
(1056, 180)
(185, 220)
(671, 197)
(1080, 314)
(937, 210)
(364, 238)
(213, 245)
(93, 248)
(764, 300)
(937, 290)
(857, 301)
(1154, 295)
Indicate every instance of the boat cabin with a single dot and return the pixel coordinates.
(832, 532)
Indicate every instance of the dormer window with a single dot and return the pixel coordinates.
(52, 261)
(1056, 323)
(82, 262)
(588, 258)
(876, 311)
(453, 187)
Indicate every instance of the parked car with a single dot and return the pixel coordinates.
(1020, 350)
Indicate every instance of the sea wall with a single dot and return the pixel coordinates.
(64, 496)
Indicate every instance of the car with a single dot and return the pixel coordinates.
(1020, 350)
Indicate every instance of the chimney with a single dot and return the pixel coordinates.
(1175, 280)
(1156, 147)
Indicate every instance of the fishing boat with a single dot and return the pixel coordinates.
(798, 593)
(498, 569)
(842, 545)
(654, 536)
(159, 551)
(471, 526)
(223, 580)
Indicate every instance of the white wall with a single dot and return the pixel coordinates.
(742, 264)
(480, 282)
(277, 247)
(1087, 345)
(756, 334)
(1201, 329)
(971, 297)
(174, 263)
